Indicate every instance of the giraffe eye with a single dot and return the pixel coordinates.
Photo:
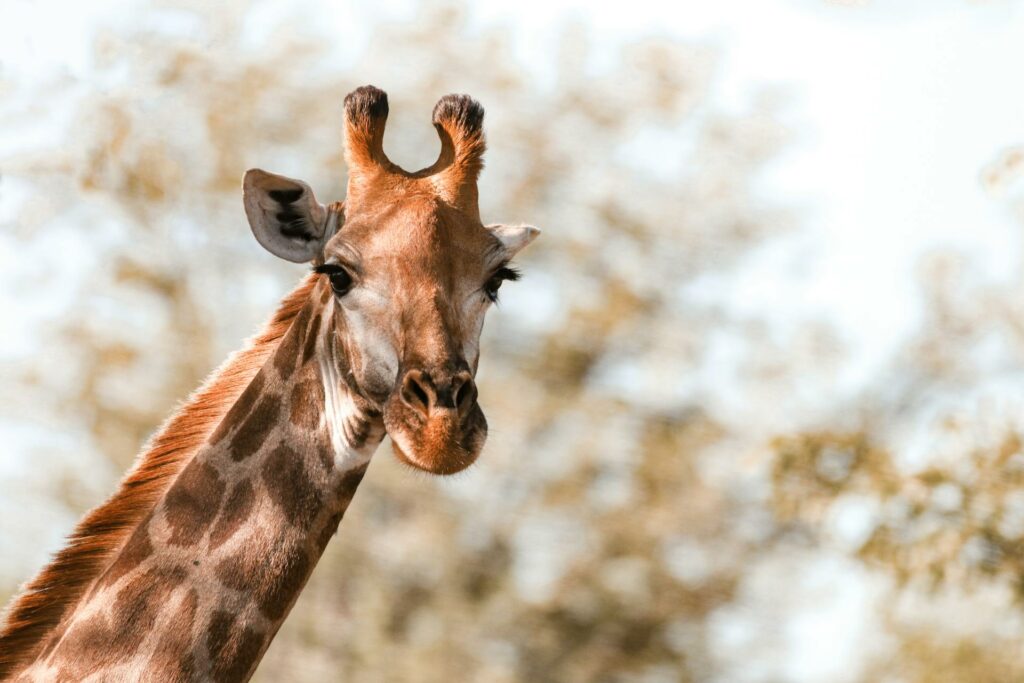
(341, 279)
(493, 284)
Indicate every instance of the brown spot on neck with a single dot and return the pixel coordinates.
(271, 576)
(290, 487)
(173, 658)
(241, 408)
(348, 484)
(233, 650)
(236, 510)
(192, 503)
(307, 403)
(287, 354)
(345, 490)
(330, 526)
(256, 427)
(311, 338)
(138, 603)
(134, 553)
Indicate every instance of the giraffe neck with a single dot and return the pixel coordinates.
(207, 578)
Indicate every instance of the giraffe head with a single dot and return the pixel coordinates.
(412, 272)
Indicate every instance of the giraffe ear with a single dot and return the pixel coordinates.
(514, 237)
(284, 215)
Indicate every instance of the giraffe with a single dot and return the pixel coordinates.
(188, 571)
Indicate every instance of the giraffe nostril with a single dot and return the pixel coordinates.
(421, 395)
(417, 392)
(464, 390)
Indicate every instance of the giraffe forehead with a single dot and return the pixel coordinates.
(417, 239)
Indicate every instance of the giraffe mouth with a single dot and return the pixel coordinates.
(442, 443)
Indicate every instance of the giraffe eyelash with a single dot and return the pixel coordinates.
(508, 272)
(327, 268)
(493, 284)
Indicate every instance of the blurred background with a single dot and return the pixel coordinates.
(756, 404)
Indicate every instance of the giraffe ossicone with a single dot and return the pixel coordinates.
(189, 569)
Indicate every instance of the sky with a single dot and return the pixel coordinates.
(894, 110)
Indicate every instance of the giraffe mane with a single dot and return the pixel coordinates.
(94, 543)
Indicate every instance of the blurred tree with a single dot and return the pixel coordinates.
(932, 482)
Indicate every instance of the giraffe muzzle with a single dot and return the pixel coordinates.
(435, 421)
